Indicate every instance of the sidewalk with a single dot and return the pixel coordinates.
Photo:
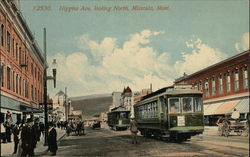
(8, 148)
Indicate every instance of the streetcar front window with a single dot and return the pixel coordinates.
(197, 104)
(174, 105)
(187, 104)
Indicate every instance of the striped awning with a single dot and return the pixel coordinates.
(210, 109)
(243, 106)
(227, 107)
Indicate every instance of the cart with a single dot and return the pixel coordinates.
(241, 127)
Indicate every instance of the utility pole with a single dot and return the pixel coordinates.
(66, 105)
(45, 101)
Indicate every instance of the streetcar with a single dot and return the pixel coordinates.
(172, 113)
(119, 118)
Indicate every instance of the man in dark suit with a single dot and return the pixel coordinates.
(28, 137)
(52, 139)
(16, 131)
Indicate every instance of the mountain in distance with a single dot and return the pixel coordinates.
(92, 105)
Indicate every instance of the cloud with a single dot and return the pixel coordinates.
(132, 63)
(202, 56)
(244, 44)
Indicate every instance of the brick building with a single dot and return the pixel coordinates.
(225, 86)
(21, 64)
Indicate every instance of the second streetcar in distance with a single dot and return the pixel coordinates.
(119, 118)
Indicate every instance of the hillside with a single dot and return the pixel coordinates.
(92, 105)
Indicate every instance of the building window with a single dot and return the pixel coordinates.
(13, 46)
(32, 92)
(200, 86)
(236, 80)
(16, 51)
(2, 35)
(207, 88)
(8, 41)
(213, 87)
(20, 55)
(228, 82)
(220, 84)
(16, 83)
(13, 81)
(20, 86)
(2, 76)
(8, 78)
(245, 78)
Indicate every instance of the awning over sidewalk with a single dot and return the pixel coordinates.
(210, 109)
(243, 106)
(227, 107)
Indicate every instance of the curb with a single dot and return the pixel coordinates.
(46, 151)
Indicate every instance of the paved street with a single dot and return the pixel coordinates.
(105, 142)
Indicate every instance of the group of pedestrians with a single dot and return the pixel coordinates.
(27, 135)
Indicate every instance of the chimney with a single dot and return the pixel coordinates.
(151, 87)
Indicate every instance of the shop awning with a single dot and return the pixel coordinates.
(210, 109)
(243, 106)
(227, 107)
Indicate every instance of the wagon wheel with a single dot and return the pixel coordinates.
(246, 131)
(220, 130)
(225, 129)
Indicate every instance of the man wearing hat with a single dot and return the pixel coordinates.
(134, 130)
(28, 137)
(52, 139)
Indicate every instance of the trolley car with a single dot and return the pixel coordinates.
(118, 118)
(173, 113)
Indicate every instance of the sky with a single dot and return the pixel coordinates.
(114, 44)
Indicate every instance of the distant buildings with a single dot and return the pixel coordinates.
(225, 86)
(116, 100)
(127, 99)
(21, 64)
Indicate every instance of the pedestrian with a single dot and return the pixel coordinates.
(16, 131)
(52, 139)
(134, 130)
(28, 138)
(37, 130)
(41, 126)
(3, 133)
(7, 126)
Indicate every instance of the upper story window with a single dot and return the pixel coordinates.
(13, 80)
(8, 77)
(220, 84)
(213, 87)
(200, 86)
(236, 80)
(13, 46)
(2, 35)
(228, 82)
(20, 55)
(207, 88)
(16, 51)
(245, 78)
(8, 41)
(2, 76)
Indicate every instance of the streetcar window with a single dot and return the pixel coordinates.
(197, 104)
(187, 104)
(174, 105)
